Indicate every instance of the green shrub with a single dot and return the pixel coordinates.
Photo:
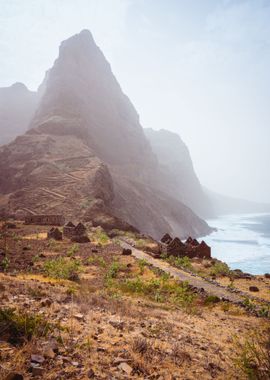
(16, 327)
(113, 270)
(179, 262)
(142, 263)
(211, 299)
(62, 268)
(220, 269)
(73, 250)
(5, 263)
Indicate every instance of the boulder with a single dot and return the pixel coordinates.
(126, 252)
(253, 289)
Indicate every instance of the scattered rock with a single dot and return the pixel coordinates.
(46, 302)
(14, 376)
(37, 359)
(90, 374)
(267, 275)
(253, 289)
(94, 250)
(49, 353)
(125, 368)
(117, 324)
(37, 371)
(126, 252)
(79, 316)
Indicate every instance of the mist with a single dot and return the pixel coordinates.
(200, 69)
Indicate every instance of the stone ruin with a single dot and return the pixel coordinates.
(75, 233)
(45, 220)
(190, 248)
(55, 234)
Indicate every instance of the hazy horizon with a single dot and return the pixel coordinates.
(196, 68)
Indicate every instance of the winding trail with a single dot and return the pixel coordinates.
(195, 281)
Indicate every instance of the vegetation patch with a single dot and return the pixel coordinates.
(16, 327)
(63, 268)
(254, 358)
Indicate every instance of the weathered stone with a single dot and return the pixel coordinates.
(90, 374)
(46, 302)
(14, 376)
(253, 289)
(126, 252)
(125, 368)
(35, 358)
(49, 353)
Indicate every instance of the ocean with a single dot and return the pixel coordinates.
(242, 241)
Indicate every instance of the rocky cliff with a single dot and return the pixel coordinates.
(86, 154)
(17, 105)
(177, 172)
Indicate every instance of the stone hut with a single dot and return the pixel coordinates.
(73, 232)
(80, 229)
(69, 230)
(45, 220)
(191, 248)
(55, 234)
(176, 247)
(204, 250)
(166, 239)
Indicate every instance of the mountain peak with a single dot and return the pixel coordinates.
(78, 42)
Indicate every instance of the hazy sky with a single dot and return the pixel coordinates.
(197, 67)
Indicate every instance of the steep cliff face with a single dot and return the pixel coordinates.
(178, 176)
(86, 154)
(17, 106)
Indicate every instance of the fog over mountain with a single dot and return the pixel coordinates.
(85, 154)
(203, 67)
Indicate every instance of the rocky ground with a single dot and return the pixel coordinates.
(80, 311)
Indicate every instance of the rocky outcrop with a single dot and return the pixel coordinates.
(17, 106)
(86, 155)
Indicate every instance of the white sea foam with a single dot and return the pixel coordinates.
(242, 242)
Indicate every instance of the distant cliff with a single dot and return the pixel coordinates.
(177, 173)
(17, 106)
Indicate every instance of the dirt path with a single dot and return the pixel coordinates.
(181, 275)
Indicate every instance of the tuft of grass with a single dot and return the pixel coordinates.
(142, 263)
(62, 268)
(254, 355)
(179, 262)
(73, 250)
(113, 270)
(97, 260)
(100, 236)
(5, 264)
(17, 327)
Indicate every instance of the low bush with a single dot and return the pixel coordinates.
(220, 269)
(62, 268)
(17, 327)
